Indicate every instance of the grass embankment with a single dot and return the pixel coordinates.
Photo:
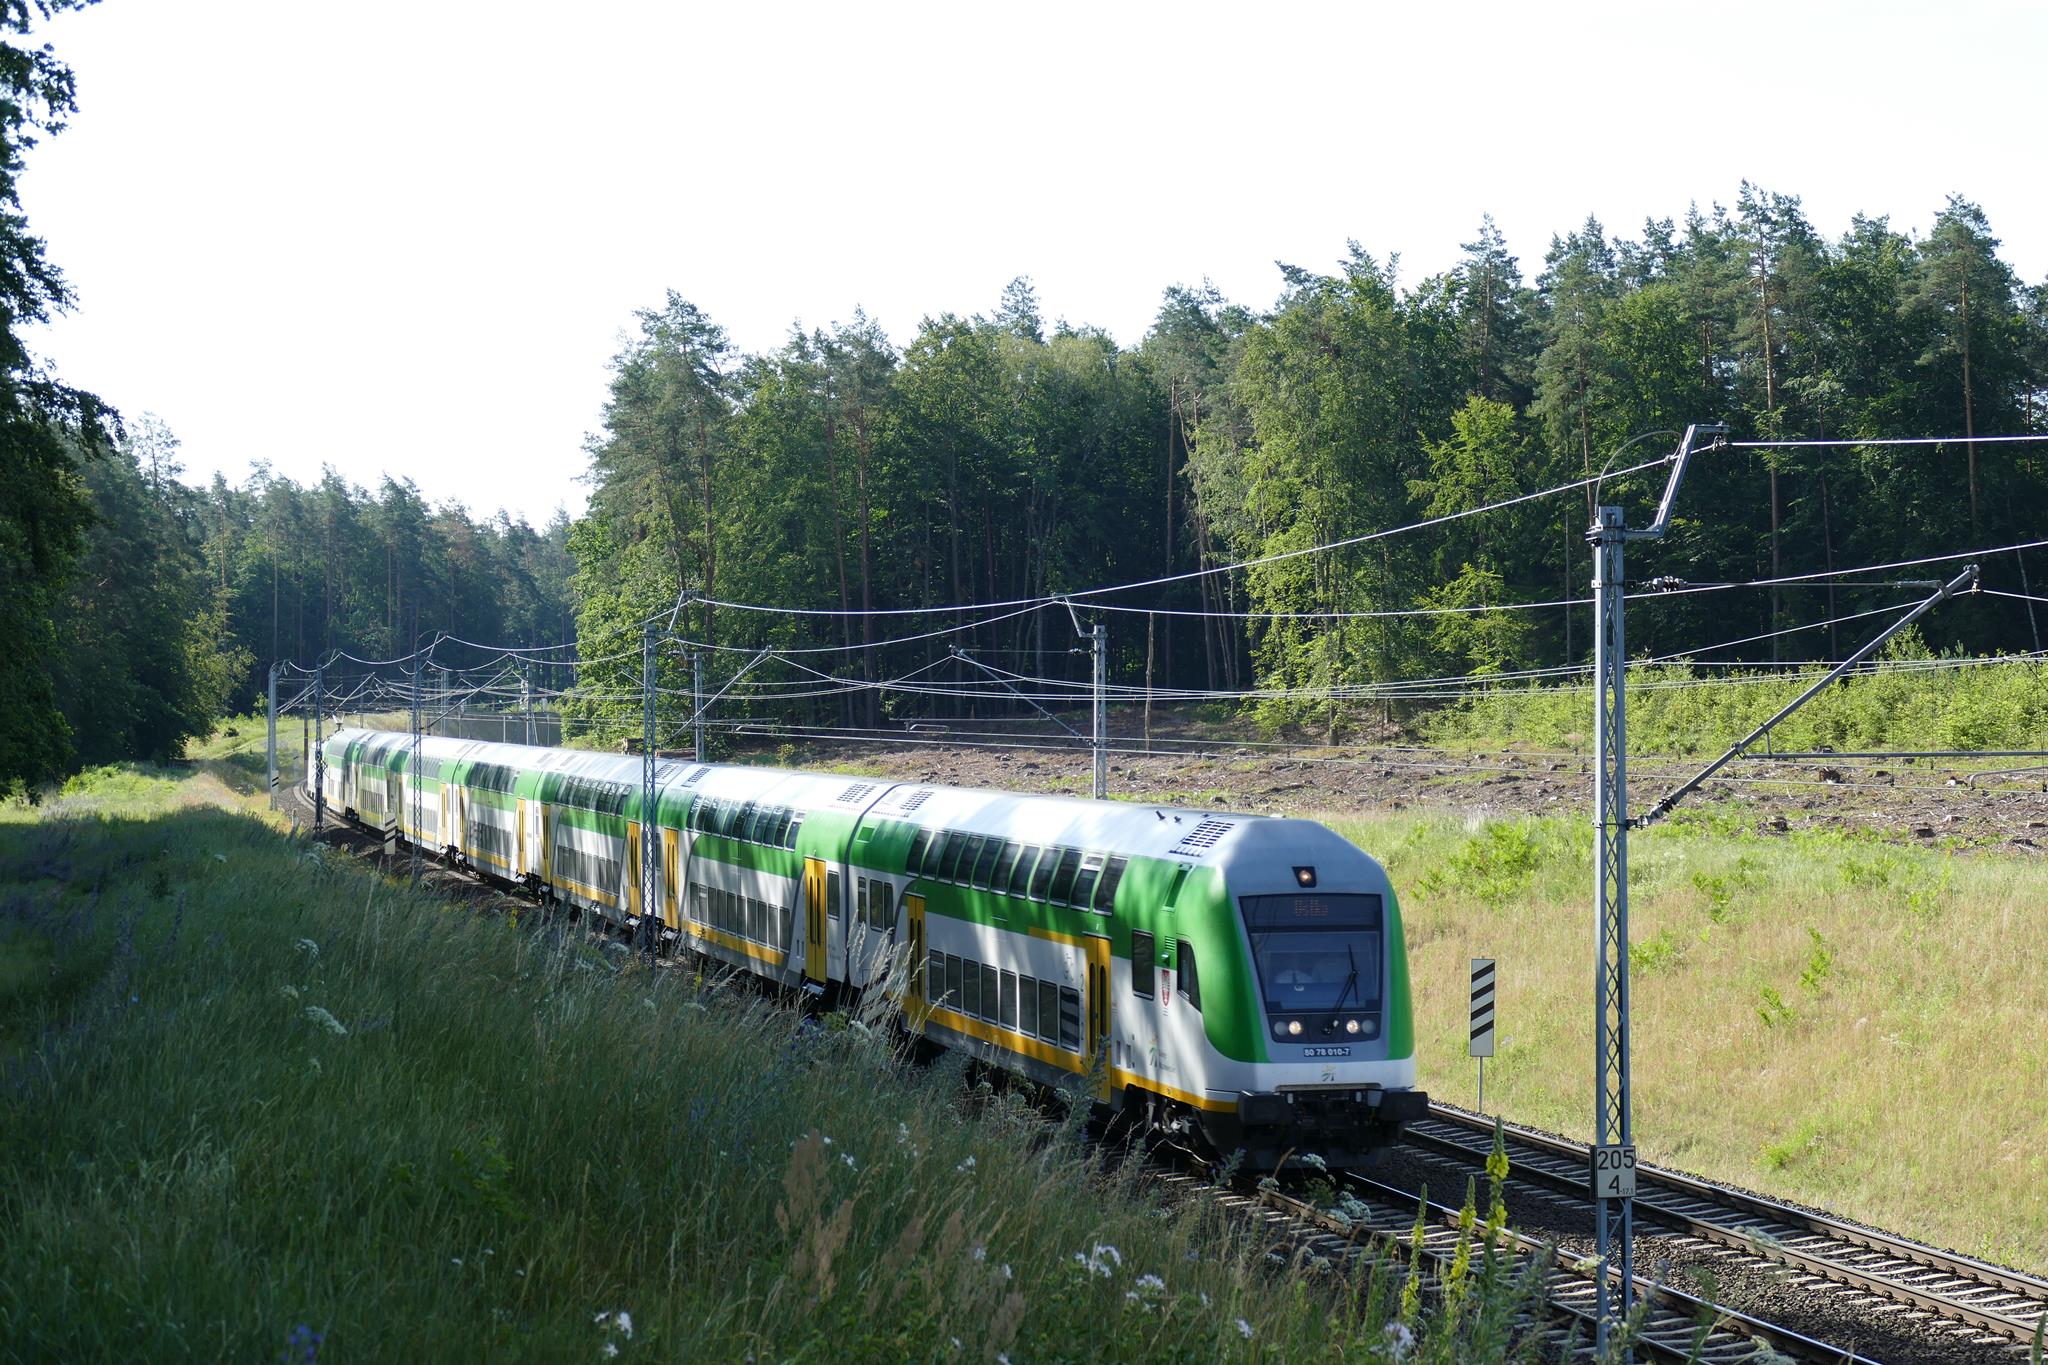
(257, 1103)
(1675, 709)
(1846, 1023)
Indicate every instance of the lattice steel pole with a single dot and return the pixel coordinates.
(1613, 1216)
(697, 690)
(319, 749)
(648, 813)
(526, 698)
(270, 760)
(1099, 641)
(413, 784)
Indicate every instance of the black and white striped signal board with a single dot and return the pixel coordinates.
(1482, 1007)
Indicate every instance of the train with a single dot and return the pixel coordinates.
(1235, 980)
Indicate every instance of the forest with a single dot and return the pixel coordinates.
(881, 505)
(871, 493)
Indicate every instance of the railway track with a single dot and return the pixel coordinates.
(1988, 1311)
(1674, 1326)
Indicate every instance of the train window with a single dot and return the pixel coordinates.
(832, 893)
(1142, 977)
(860, 898)
(1006, 1011)
(1041, 876)
(1020, 876)
(1190, 983)
(750, 817)
(1063, 875)
(1070, 1019)
(1027, 1007)
(969, 856)
(991, 987)
(1083, 894)
(934, 977)
(970, 989)
(954, 985)
(1105, 890)
(796, 822)
(913, 862)
(949, 859)
(984, 867)
(1006, 866)
(881, 905)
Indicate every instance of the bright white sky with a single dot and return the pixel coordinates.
(407, 239)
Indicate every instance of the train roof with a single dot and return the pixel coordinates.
(1162, 831)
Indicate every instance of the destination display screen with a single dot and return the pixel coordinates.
(1312, 910)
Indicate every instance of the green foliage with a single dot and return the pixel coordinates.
(1497, 863)
(1820, 961)
(48, 429)
(1680, 709)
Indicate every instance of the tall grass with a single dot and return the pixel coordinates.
(1849, 1023)
(258, 1104)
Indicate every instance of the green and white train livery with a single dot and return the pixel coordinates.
(1239, 976)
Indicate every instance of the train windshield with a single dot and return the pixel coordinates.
(1317, 952)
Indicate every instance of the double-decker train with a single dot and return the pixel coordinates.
(1242, 977)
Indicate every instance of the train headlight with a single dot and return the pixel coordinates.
(1351, 1026)
(1294, 1028)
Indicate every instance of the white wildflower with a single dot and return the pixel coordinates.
(1002, 1358)
(1267, 1182)
(902, 1134)
(308, 947)
(608, 1350)
(454, 1260)
(326, 1021)
(956, 1343)
(1244, 1329)
(1205, 1298)
(1104, 1249)
(288, 991)
(1130, 1296)
(1314, 1162)
(966, 1165)
(1152, 1283)
(828, 1141)
(1007, 1273)
(847, 1157)
(1400, 1340)
(980, 1254)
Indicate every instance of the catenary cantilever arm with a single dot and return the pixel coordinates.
(1967, 578)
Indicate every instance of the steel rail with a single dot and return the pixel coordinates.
(1678, 1334)
(1661, 1194)
(1676, 1326)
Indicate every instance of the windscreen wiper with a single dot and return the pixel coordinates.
(1349, 982)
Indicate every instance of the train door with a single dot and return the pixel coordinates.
(632, 899)
(547, 842)
(671, 882)
(870, 931)
(1095, 1005)
(815, 947)
(913, 988)
(441, 826)
(519, 868)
